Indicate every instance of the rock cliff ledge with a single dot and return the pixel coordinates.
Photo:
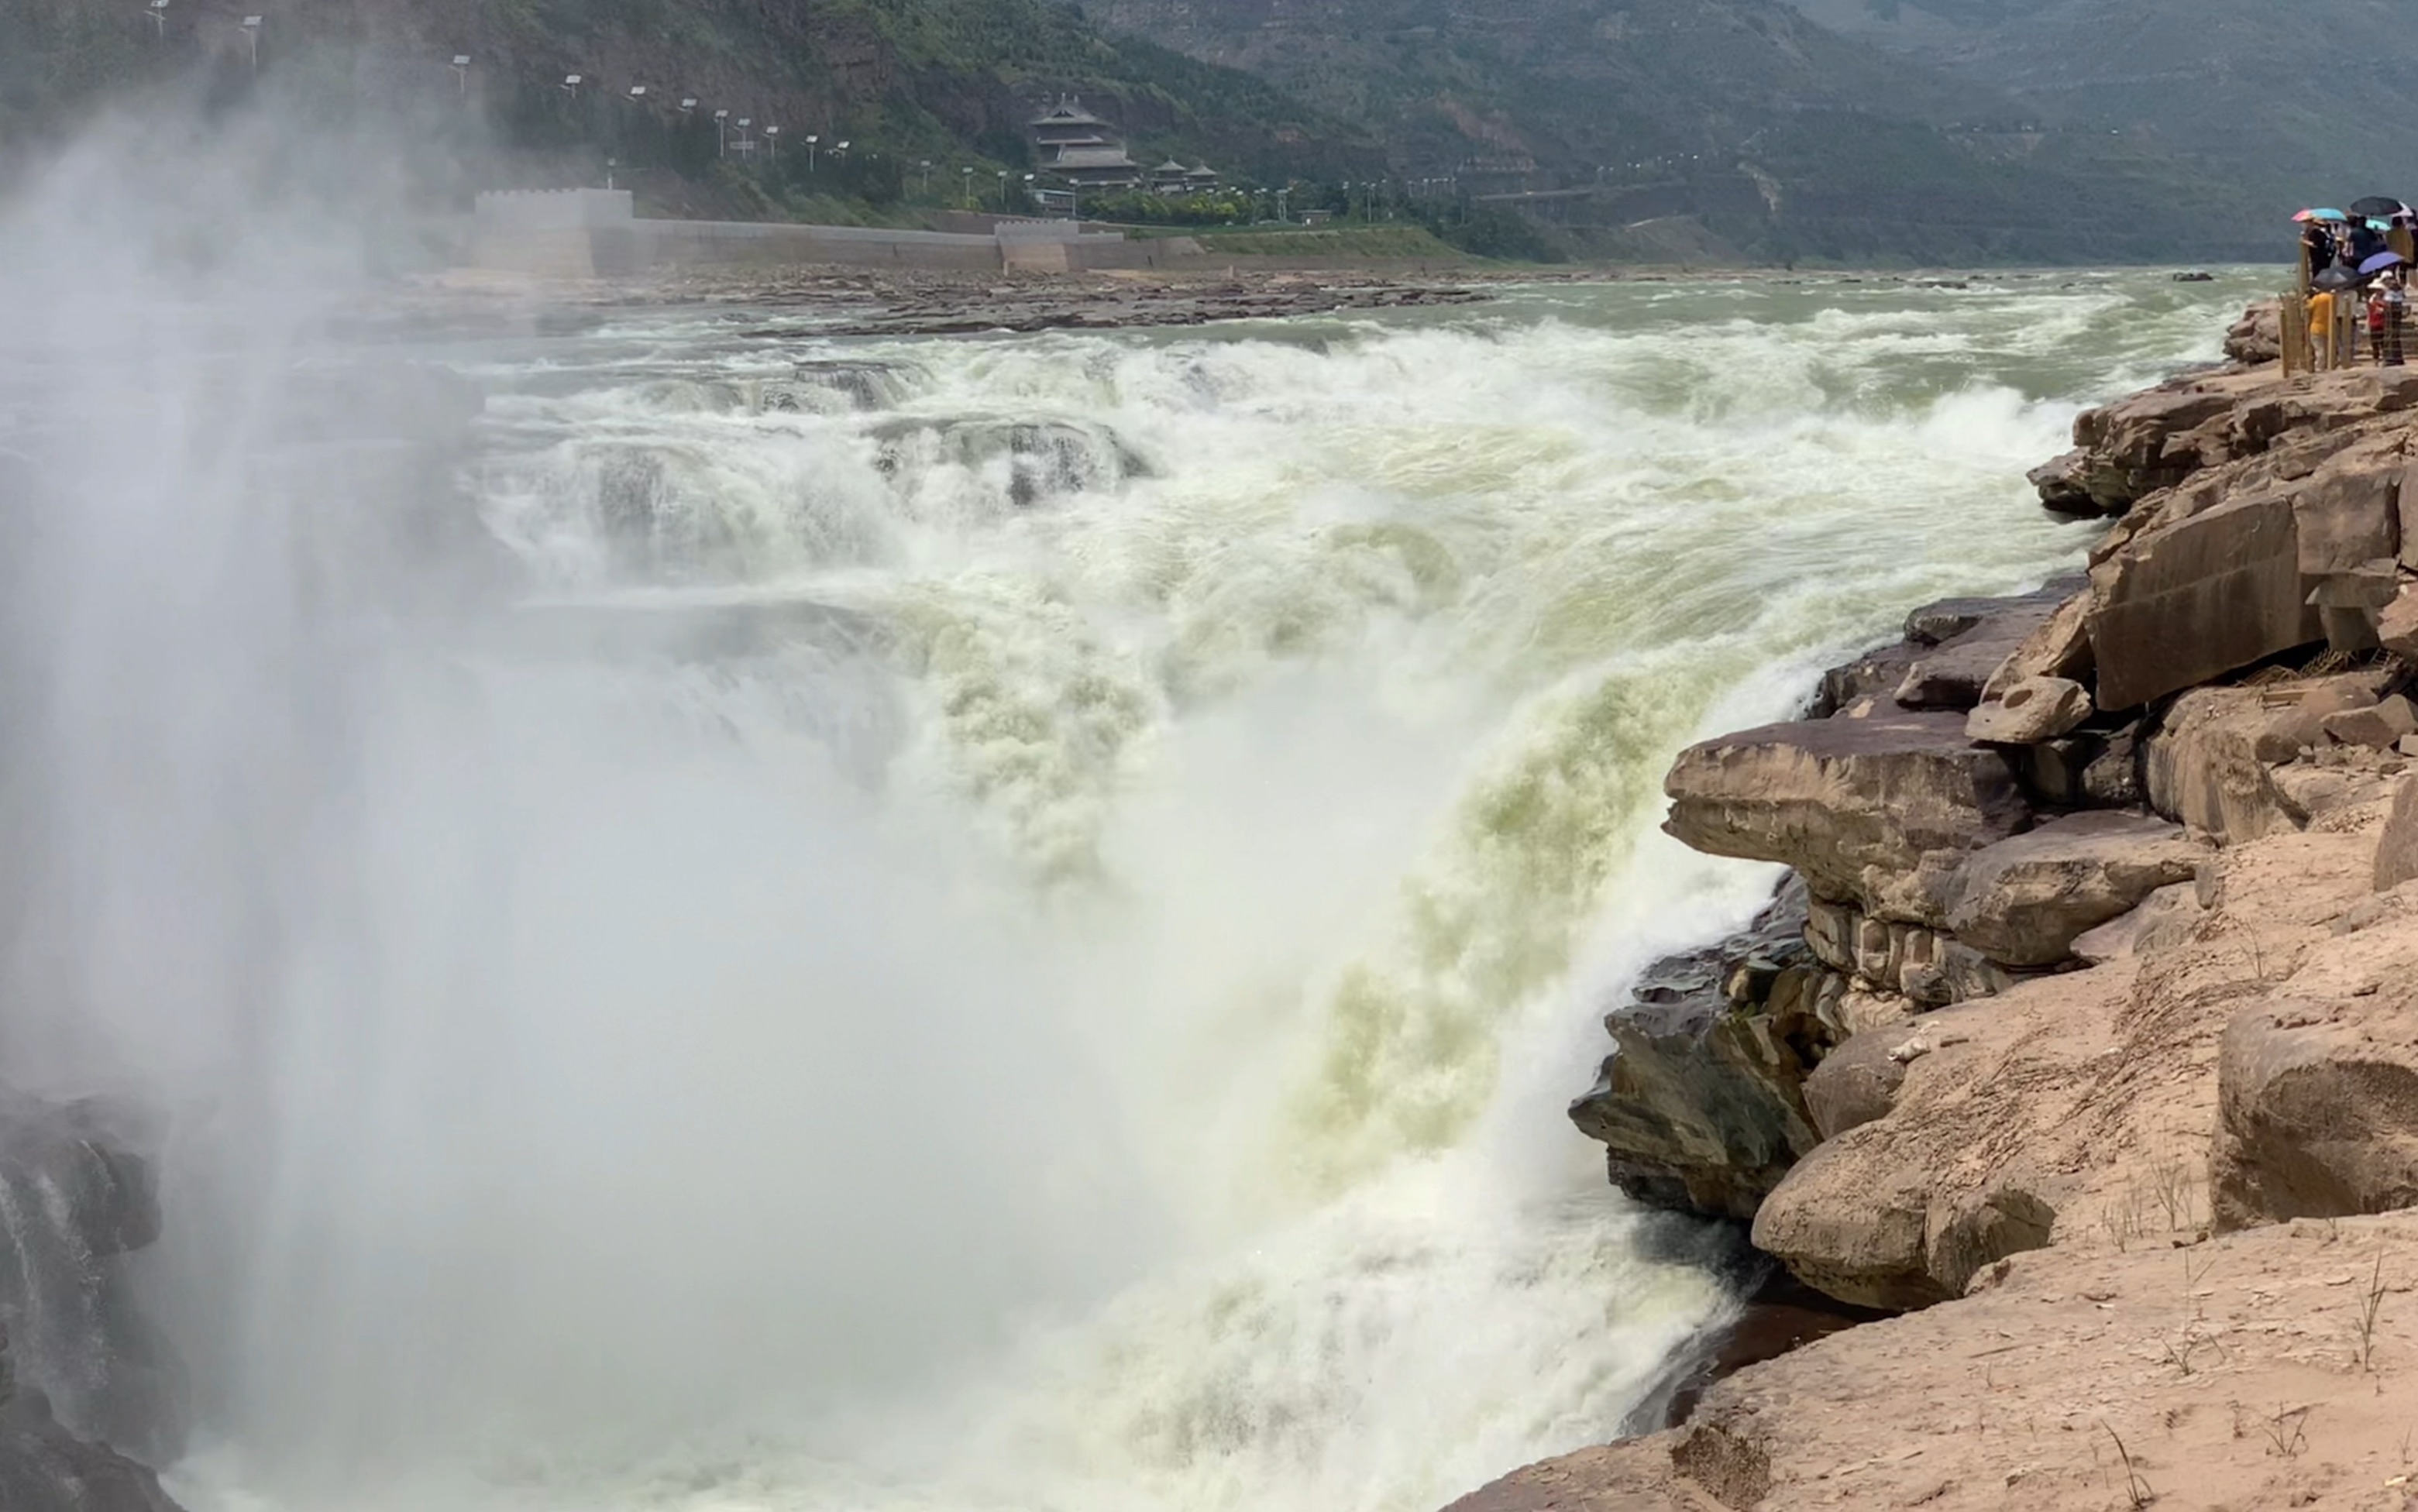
(2084, 1035)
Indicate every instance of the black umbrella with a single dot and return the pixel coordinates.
(2335, 278)
(2377, 207)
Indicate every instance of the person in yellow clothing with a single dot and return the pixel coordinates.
(2322, 328)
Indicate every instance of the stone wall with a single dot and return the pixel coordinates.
(593, 233)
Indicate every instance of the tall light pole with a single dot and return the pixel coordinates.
(571, 82)
(1002, 191)
(813, 139)
(773, 139)
(252, 35)
(722, 133)
(158, 15)
(746, 143)
(923, 185)
(462, 74)
(970, 188)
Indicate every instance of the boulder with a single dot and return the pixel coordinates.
(2163, 921)
(1952, 672)
(2345, 517)
(1875, 675)
(1879, 810)
(2317, 1110)
(1855, 1084)
(2204, 596)
(2378, 727)
(2065, 485)
(2023, 901)
(2033, 710)
(2258, 337)
(2396, 847)
(2058, 646)
(2206, 764)
(2396, 628)
(1862, 1220)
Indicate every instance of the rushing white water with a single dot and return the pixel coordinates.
(1045, 974)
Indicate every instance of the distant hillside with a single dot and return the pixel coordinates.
(1779, 136)
(2295, 102)
(954, 80)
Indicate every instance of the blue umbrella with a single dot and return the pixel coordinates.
(2328, 215)
(2382, 261)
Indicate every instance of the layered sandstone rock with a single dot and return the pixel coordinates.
(2200, 1018)
(2025, 901)
(1879, 809)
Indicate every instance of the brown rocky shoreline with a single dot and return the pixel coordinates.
(2084, 1039)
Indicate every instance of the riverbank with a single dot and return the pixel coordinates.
(2088, 1045)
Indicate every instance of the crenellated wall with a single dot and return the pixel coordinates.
(595, 233)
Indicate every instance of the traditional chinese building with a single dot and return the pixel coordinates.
(1077, 146)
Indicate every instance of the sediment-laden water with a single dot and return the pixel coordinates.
(1003, 924)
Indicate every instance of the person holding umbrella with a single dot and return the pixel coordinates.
(2366, 240)
(2317, 247)
(2397, 220)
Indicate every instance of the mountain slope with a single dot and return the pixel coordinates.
(1782, 137)
(944, 78)
(2295, 102)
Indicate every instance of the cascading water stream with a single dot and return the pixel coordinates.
(992, 925)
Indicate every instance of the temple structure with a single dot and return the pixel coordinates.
(1079, 147)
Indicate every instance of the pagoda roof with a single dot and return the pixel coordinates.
(1093, 158)
(1170, 166)
(1068, 112)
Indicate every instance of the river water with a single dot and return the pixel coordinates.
(1005, 923)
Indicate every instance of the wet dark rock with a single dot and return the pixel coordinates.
(82, 1378)
(1700, 1105)
(1952, 671)
(863, 385)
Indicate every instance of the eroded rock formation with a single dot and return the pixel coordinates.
(80, 1378)
(2022, 790)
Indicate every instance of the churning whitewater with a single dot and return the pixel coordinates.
(1003, 925)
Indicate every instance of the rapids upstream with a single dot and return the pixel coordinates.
(1005, 924)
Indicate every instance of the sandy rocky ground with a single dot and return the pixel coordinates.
(2151, 1194)
(2273, 1367)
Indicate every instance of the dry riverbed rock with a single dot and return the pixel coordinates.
(2029, 712)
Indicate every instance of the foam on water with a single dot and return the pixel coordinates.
(1080, 1023)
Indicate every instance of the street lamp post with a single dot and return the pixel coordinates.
(923, 184)
(722, 133)
(970, 188)
(252, 36)
(158, 15)
(746, 143)
(462, 74)
(813, 139)
(571, 82)
(1002, 191)
(772, 141)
